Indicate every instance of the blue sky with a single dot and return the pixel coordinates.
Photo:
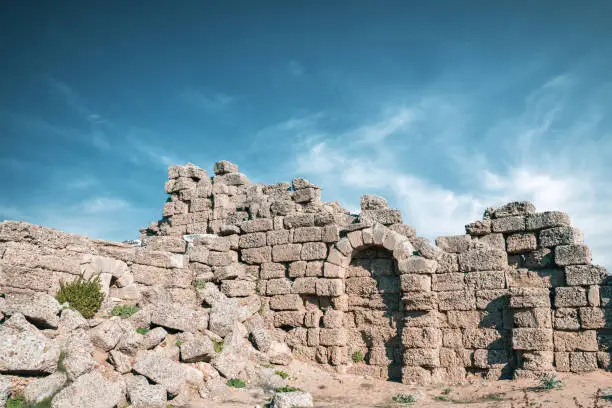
(443, 107)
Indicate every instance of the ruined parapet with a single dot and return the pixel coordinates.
(357, 292)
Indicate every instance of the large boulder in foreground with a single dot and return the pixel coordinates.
(41, 309)
(90, 390)
(25, 350)
(297, 399)
(162, 370)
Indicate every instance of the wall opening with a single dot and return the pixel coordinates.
(376, 316)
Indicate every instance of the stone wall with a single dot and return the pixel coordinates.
(515, 295)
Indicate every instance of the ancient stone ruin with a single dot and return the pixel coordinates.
(276, 274)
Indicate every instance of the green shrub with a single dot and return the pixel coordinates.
(357, 356)
(404, 399)
(287, 388)
(218, 346)
(18, 401)
(142, 330)
(124, 310)
(83, 295)
(282, 374)
(550, 382)
(200, 283)
(236, 383)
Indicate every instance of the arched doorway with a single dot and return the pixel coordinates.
(376, 316)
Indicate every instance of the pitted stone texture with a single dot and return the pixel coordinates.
(297, 399)
(24, 349)
(179, 317)
(144, 395)
(163, 371)
(483, 259)
(44, 387)
(582, 275)
(514, 208)
(548, 219)
(572, 255)
(224, 167)
(41, 309)
(89, 390)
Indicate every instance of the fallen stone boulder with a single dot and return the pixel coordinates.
(45, 387)
(76, 356)
(5, 389)
(24, 349)
(179, 317)
(90, 390)
(40, 309)
(161, 370)
(296, 399)
(71, 320)
(144, 395)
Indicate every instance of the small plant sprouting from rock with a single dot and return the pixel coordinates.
(60, 362)
(404, 399)
(83, 295)
(287, 388)
(417, 253)
(124, 311)
(282, 374)
(550, 382)
(357, 356)
(446, 391)
(218, 346)
(142, 330)
(178, 343)
(200, 283)
(236, 383)
(18, 401)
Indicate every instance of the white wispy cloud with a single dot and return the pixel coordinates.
(94, 205)
(295, 68)
(547, 154)
(207, 101)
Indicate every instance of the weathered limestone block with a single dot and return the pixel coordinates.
(271, 270)
(478, 228)
(561, 236)
(483, 259)
(333, 319)
(252, 240)
(572, 255)
(153, 275)
(107, 334)
(594, 318)
(593, 297)
(454, 244)
(297, 269)
(582, 275)
(582, 362)
(161, 370)
(529, 298)
(426, 337)
(415, 375)
(570, 297)
(307, 234)
(520, 243)
(286, 302)
(160, 259)
(457, 300)
(448, 282)
(281, 286)
(304, 286)
(313, 250)
(566, 319)
(196, 348)
(330, 233)
(532, 317)
(286, 253)
(289, 318)
(330, 287)
(238, 288)
(508, 224)
(42, 309)
(536, 360)
(89, 390)
(254, 256)
(257, 225)
(532, 339)
(332, 337)
(447, 263)
(486, 280)
(277, 237)
(42, 388)
(121, 361)
(492, 299)
(542, 278)
(514, 208)
(415, 283)
(420, 301)
(540, 258)
(384, 216)
(333, 271)
(292, 399)
(562, 363)
(179, 317)
(483, 339)
(298, 220)
(417, 264)
(313, 318)
(548, 219)
(144, 395)
(422, 357)
(484, 358)
(576, 341)
(373, 202)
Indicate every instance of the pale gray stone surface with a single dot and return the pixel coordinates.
(297, 399)
(41, 309)
(91, 390)
(44, 387)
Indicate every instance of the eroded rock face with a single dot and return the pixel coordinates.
(144, 395)
(161, 370)
(42, 310)
(45, 387)
(89, 390)
(292, 400)
(24, 349)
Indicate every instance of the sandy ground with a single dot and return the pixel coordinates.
(331, 390)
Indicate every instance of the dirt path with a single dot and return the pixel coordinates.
(340, 391)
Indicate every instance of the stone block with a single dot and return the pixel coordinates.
(536, 360)
(277, 237)
(496, 241)
(582, 362)
(548, 219)
(561, 236)
(483, 259)
(541, 278)
(330, 287)
(286, 253)
(452, 338)
(508, 224)
(271, 270)
(478, 228)
(224, 167)
(252, 240)
(337, 258)
(604, 360)
(330, 233)
(420, 301)
(572, 255)
(333, 319)
(447, 263)
(583, 275)
(253, 256)
(312, 318)
(238, 288)
(415, 283)
(492, 299)
(529, 298)
(486, 280)
(280, 286)
(521, 243)
(422, 357)
(562, 363)
(532, 339)
(538, 259)
(332, 337)
(286, 302)
(593, 298)
(570, 297)
(484, 358)
(576, 341)
(417, 264)
(474, 338)
(448, 282)
(373, 202)
(297, 269)
(313, 250)
(595, 318)
(426, 337)
(566, 319)
(307, 234)
(333, 271)
(298, 220)
(289, 318)
(344, 246)
(514, 208)
(532, 318)
(415, 375)
(454, 244)
(456, 300)
(315, 269)
(304, 286)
